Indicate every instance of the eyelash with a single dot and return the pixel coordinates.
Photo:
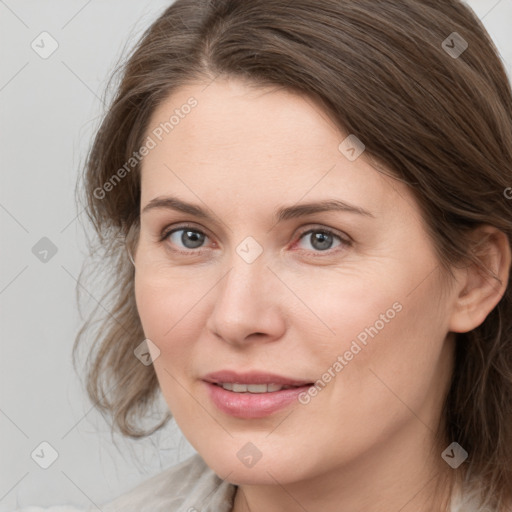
(345, 242)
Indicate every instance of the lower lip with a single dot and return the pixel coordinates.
(252, 405)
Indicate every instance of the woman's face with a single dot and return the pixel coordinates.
(251, 272)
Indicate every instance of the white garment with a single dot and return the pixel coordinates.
(193, 487)
(188, 487)
(63, 508)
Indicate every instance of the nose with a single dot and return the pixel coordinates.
(248, 305)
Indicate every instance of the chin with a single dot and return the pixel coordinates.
(242, 463)
(260, 474)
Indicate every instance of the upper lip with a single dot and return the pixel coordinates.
(253, 377)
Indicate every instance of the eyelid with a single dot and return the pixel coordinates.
(170, 229)
(345, 239)
(319, 227)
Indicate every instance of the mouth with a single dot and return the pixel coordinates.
(252, 395)
(252, 388)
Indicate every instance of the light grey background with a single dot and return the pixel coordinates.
(49, 109)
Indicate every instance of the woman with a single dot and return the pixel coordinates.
(314, 198)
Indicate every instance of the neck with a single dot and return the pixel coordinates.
(401, 475)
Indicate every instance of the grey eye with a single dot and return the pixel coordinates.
(190, 239)
(320, 240)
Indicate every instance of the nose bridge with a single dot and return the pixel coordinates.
(248, 268)
(244, 304)
(244, 285)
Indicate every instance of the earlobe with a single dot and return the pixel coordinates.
(481, 288)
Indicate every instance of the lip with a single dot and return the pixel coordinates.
(252, 405)
(253, 377)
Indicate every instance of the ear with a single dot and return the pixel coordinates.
(478, 291)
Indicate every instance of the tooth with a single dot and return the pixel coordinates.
(257, 388)
(253, 388)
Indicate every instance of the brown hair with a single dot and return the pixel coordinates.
(442, 124)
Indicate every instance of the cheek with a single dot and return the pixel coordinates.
(167, 316)
(383, 342)
(342, 308)
(152, 301)
(167, 300)
(169, 313)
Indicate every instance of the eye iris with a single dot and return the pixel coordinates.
(324, 239)
(194, 239)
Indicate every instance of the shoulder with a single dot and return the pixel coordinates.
(188, 487)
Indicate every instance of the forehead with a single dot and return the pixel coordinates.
(255, 144)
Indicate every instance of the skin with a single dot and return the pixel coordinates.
(366, 441)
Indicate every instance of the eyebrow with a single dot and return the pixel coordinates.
(281, 214)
